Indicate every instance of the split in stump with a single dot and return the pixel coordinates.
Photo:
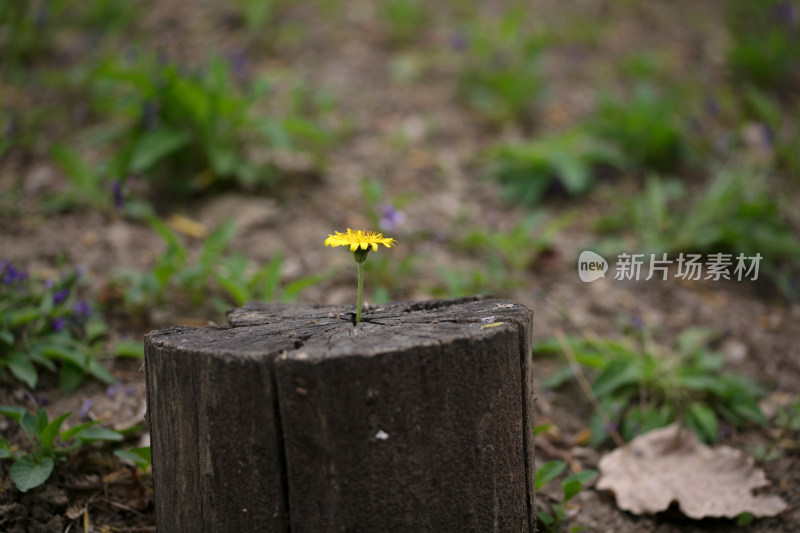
(420, 418)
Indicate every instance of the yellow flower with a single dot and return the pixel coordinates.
(359, 243)
(359, 239)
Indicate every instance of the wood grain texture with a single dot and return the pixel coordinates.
(417, 419)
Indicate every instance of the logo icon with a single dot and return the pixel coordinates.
(591, 266)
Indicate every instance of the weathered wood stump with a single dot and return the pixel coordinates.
(418, 419)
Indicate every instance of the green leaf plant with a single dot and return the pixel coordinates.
(555, 518)
(45, 325)
(49, 444)
(636, 385)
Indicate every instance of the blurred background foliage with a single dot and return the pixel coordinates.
(709, 157)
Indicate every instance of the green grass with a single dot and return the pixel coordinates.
(646, 125)
(561, 162)
(500, 68)
(736, 212)
(211, 276)
(641, 384)
(190, 130)
(765, 47)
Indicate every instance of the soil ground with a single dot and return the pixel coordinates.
(410, 131)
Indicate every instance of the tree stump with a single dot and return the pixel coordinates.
(420, 418)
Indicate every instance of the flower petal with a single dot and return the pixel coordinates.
(359, 240)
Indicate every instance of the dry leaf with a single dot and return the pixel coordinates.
(76, 509)
(669, 465)
(582, 438)
(187, 226)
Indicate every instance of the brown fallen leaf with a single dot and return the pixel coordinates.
(671, 465)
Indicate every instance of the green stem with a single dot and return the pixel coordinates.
(360, 291)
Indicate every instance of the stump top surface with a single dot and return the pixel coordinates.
(318, 332)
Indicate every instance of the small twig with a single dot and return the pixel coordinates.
(549, 449)
(577, 371)
(122, 506)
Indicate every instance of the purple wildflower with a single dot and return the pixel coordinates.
(637, 322)
(150, 113)
(11, 127)
(391, 217)
(712, 106)
(768, 134)
(459, 42)
(785, 12)
(13, 275)
(438, 238)
(60, 296)
(87, 404)
(116, 191)
(82, 309)
(238, 64)
(41, 401)
(58, 323)
(42, 14)
(113, 389)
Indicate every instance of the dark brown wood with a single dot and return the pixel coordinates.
(420, 418)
